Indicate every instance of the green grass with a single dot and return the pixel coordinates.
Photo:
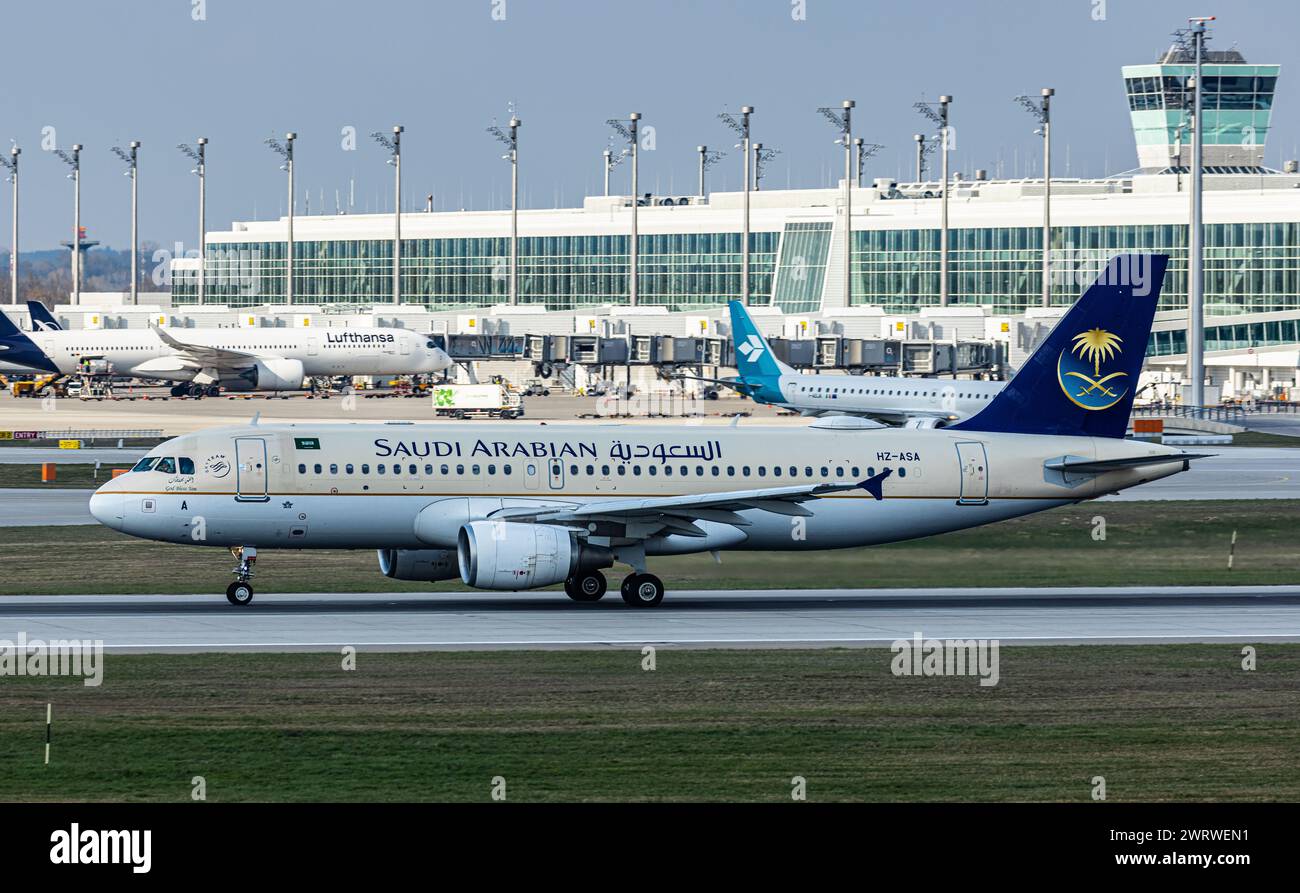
(1153, 543)
(68, 477)
(1264, 439)
(1178, 722)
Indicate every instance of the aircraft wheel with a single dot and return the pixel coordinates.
(642, 590)
(179, 390)
(586, 587)
(239, 594)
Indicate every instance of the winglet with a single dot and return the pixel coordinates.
(875, 484)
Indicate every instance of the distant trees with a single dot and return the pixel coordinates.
(47, 275)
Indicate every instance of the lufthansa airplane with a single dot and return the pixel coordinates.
(208, 360)
(914, 402)
(502, 509)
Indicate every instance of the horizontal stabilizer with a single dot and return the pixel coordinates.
(1098, 466)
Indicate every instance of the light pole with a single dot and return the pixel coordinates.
(629, 133)
(132, 171)
(741, 126)
(920, 156)
(708, 159)
(941, 118)
(1196, 237)
(761, 157)
(394, 146)
(511, 139)
(11, 164)
(864, 150)
(1043, 111)
(200, 158)
(74, 161)
(285, 151)
(843, 119)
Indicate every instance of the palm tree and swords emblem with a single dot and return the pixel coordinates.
(1090, 350)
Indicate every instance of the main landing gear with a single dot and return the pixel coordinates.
(638, 590)
(240, 592)
(642, 590)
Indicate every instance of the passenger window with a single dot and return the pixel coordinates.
(428, 471)
(762, 471)
(807, 472)
(505, 469)
(839, 471)
(636, 469)
(794, 472)
(776, 471)
(187, 465)
(316, 468)
(731, 471)
(573, 469)
(699, 471)
(446, 470)
(348, 468)
(856, 471)
(492, 469)
(745, 471)
(604, 470)
(365, 469)
(591, 469)
(685, 471)
(167, 465)
(460, 470)
(622, 470)
(334, 468)
(379, 469)
(716, 470)
(902, 472)
(668, 471)
(302, 468)
(654, 470)
(826, 472)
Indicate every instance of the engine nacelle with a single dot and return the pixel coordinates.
(514, 555)
(420, 565)
(928, 421)
(276, 374)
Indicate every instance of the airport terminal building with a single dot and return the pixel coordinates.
(573, 262)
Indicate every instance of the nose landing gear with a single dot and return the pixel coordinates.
(240, 592)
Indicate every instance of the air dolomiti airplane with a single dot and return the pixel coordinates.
(207, 360)
(503, 510)
(915, 402)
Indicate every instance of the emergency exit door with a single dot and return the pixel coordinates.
(250, 469)
(974, 474)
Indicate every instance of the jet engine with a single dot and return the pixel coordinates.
(420, 565)
(928, 421)
(515, 555)
(276, 374)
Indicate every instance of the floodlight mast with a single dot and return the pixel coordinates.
(1197, 32)
(1042, 110)
(74, 161)
(864, 150)
(394, 147)
(132, 171)
(843, 119)
(708, 158)
(762, 156)
(201, 171)
(511, 139)
(940, 118)
(740, 124)
(285, 151)
(11, 165)
(629, 133)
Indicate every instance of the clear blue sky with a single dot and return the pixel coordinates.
(102, 73)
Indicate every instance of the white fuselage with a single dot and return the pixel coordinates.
(406, 486)
(141, 353)
(888, 397)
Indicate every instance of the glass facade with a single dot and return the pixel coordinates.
(1249, 268)
(1236, 337)
(679, 270)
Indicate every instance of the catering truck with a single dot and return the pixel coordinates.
(464, 401)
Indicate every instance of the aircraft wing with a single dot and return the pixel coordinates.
(202, 354)
(677, 514)
(734, 383)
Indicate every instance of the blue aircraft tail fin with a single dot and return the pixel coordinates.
(1083, 377)
(42, 319)
(16, 347)
(754, 357)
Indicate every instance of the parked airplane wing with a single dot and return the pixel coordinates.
(677, 513)
(203, 355)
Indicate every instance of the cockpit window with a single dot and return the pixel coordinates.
(167, 465)
(430, 345)
(187, 465)
(146, 463)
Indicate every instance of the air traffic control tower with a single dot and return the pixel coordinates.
(1238, 100)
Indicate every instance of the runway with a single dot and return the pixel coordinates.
(30, 507)
(732, 619)
(85, 456)
(1231, 473)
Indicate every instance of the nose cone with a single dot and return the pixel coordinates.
(109, 508)
(440, 360)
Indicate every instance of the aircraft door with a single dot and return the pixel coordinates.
(974, 474)
(250, 470)
(313, 346)
(556, 469)
(532, 477)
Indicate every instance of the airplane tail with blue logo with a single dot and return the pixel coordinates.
(42, 319)
(1083, 377)
(16, 347)
(754, 358)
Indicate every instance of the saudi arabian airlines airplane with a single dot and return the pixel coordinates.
(206, 361)
(914, 402)
(507, 510)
